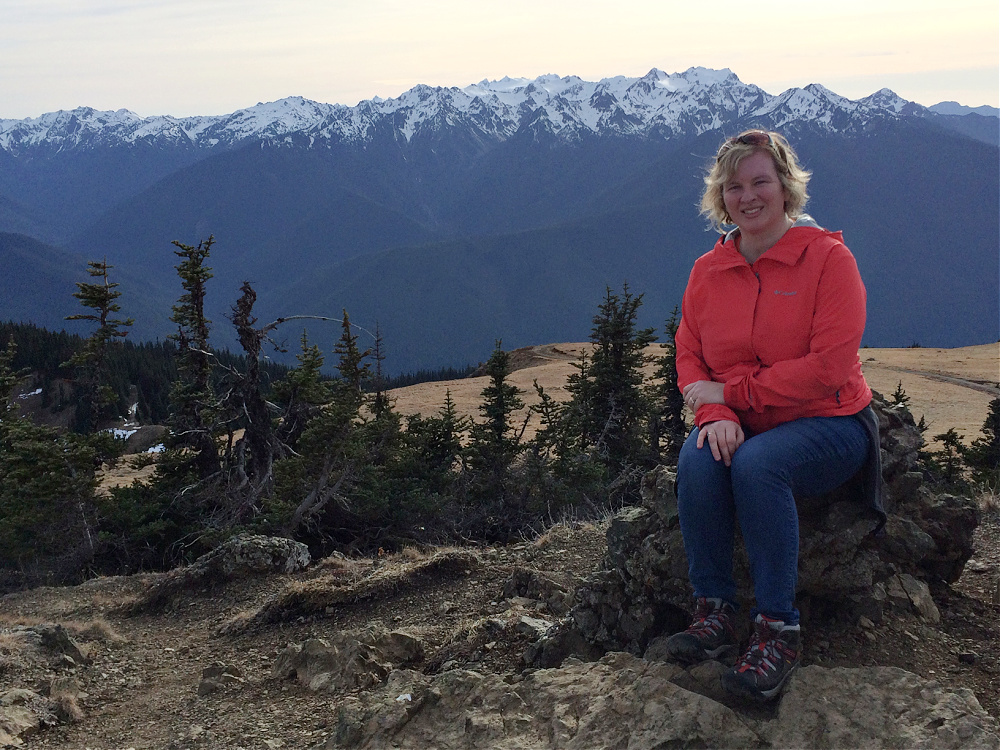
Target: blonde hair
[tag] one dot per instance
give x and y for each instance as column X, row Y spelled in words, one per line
column 733, row 151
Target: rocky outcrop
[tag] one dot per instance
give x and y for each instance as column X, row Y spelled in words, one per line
column 55, row 640
column 239, row 557
column 878, row 707
column 844, row 568
column 349, row 661
column 623, row 701
column 551, row 596
column 24, row 713
column 145, row 437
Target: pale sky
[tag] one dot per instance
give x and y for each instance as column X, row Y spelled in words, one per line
column 209, row 57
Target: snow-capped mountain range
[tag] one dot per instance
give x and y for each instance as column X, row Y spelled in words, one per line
column 656, row 105
column 504, row 209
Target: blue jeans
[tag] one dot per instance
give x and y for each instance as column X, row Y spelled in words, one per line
column 805, row 457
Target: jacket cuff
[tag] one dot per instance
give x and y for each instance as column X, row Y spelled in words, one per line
column 714, row 413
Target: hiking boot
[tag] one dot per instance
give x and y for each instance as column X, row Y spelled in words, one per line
column 773, row 655
column 711, row 634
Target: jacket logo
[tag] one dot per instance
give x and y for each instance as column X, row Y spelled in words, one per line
column 785, row 294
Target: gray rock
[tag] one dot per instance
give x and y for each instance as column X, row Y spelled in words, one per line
column 643, row 592
column 239, row 557
column 56, row 639
column 919, row 594
column 532, row 627
column 625, row 702
column 878, row 707
column 145, row 437
column 540, row 587
column 620, row 701
column 350, row 660
column 17, row 723
column 24, row 713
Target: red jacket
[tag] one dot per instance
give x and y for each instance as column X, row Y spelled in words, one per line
column 782, row 334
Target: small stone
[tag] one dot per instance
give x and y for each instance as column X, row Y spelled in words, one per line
column 870, row 636
column 865, row 623
column 977, row 566
column 532, row 627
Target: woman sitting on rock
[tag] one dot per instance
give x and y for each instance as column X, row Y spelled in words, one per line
column 767, row 360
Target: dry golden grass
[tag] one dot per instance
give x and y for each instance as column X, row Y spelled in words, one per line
column 11, row 643
column 948, row 387
column 989, row 501
column 97, row 629
column 385, row 576
column 63, row 691
column 127, row 470
column 557, row 534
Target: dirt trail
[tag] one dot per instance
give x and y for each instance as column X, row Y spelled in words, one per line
column 944, row 377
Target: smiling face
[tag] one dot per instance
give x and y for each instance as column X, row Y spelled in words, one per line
column 755, row 198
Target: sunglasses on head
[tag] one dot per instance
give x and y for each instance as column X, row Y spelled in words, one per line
column 751, row 138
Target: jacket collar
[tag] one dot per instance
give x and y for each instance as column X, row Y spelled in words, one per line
column 787, row 250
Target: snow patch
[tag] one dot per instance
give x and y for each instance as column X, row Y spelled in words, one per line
column 121, row 434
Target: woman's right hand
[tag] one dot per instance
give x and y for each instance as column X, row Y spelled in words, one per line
column 723, row 437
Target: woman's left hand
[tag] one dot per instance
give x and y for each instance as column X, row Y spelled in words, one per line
column 703, row 392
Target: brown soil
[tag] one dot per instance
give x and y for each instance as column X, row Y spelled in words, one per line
column 141, row 689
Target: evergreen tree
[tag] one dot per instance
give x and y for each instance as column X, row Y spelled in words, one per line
column 251, row 463
column 946, row 464
column 899, row 397
column 494, row 504
column 352, row 365
column 313, row 489
column 301, row 393
column 983, row 456
column 380, row 401
column 47, row 483
column 192, row 420
column 608, row 394
column 92, row 377
column 667, row 418
column 495, row 440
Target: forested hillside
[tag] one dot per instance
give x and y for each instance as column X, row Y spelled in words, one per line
column 452, row 217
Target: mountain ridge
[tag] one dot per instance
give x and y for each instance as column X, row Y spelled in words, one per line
column 656, row 104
